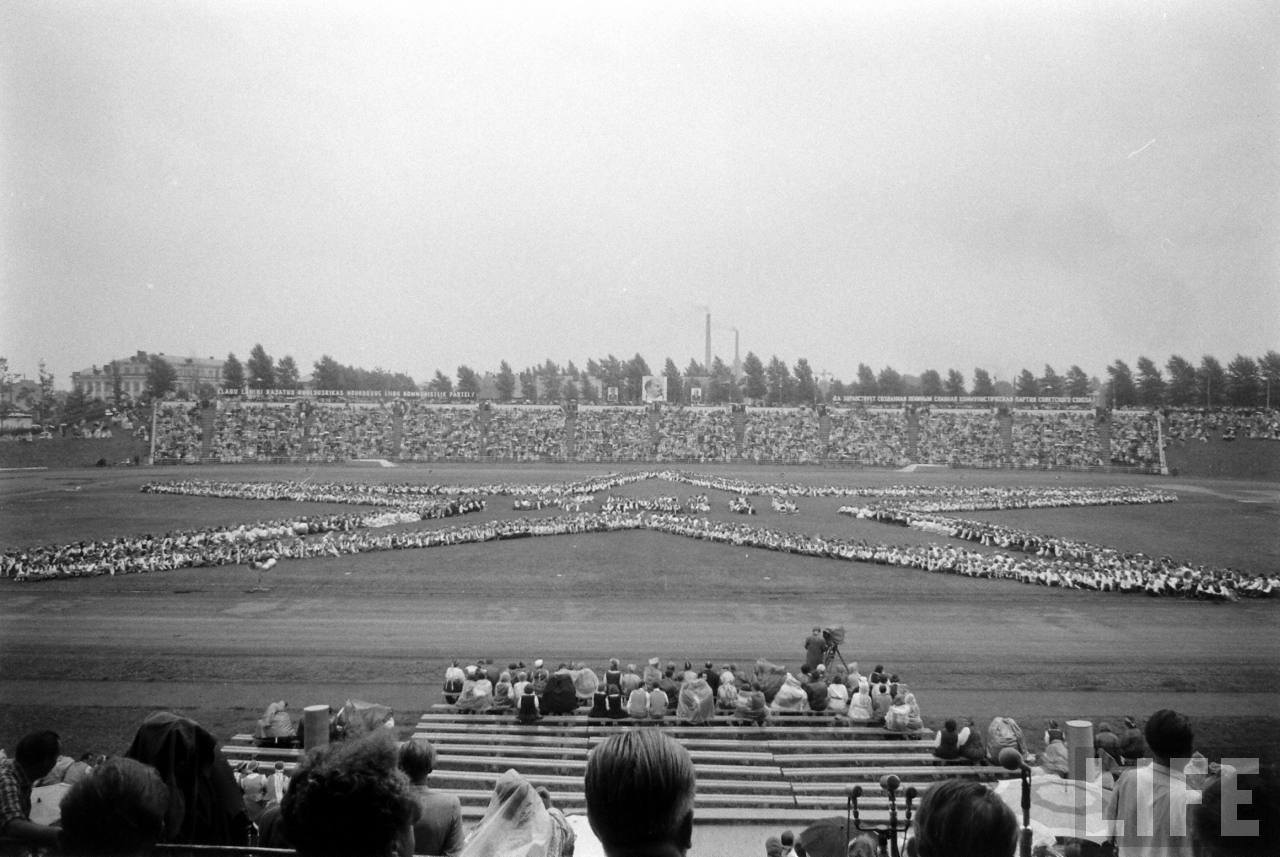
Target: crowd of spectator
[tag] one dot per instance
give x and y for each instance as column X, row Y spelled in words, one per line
column 868, row 436
column 960, row 438
column 1054, row 439
column 612, row 434
column 782, row 435
column 883, row 437
column 696, row 434
column 1204, row 424
column 440, row 433
column 526, row 433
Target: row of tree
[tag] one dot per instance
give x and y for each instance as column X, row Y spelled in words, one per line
column 1244, row 382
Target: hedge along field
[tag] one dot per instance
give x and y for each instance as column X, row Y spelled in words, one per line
column 88, row 655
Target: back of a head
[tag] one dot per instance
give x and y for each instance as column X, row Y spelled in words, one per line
column 119, row 809
column 960, row 818
column 1169, row 735
column 639, row 788
column 417, row 760
column 1227, row 824
column 37, row 752
column 349, row 799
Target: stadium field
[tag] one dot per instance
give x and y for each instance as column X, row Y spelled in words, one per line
column 90, row 657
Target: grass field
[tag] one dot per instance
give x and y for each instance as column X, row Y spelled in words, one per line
column 91, row 657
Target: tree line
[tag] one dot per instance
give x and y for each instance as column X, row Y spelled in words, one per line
column 1244, row 382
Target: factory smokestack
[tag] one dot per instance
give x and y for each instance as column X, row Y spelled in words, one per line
column 707, row 367
column 737, row 362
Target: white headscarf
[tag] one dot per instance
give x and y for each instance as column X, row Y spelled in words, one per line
column 516, row 824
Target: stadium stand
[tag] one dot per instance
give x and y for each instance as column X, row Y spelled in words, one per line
column 320, row 431
column 796, row 768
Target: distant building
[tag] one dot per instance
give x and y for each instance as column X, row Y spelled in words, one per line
column 99, row 382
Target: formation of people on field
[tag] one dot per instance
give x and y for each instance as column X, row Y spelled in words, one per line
column 1045, row 560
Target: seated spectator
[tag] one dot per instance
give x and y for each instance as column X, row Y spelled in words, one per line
column 585, row 683
column 563, row 838
column 515, row 824
column 530, row 710
column 1151, row 801
column 477, row 692
column 750, row 708
column 453, row 680
column 350, row 798
column 560, row 696
column 697, row 703
column 503, row 698
column 253, row 786
column 1107, row 741
column 438, row 830
column 816, row 690
column 790, row 697
column 34, row 756
column 948, row 741
column 1055, row 759
column 639, row 788
column 659, row 704
column 838, row 696
column 915, row 722
column 1004, row 732
column 599, row 703
column 638, row 704
column 276, row 725
column 205, row 806
column 119, row 810
column 615, row 706
column 727, row 692
column 860, row 706
column 959, row 818
column 1132, row 744
column 881, row 700
column 898, row 717
column 630, row 680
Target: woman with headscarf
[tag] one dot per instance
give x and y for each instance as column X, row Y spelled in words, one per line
column 585, row 683
column 915, row 722
column 790, row 697
column 837, row 696
column 751, row 709
column 205, row 805
column 515, row 824
column 860, row 707
column 477, row 692
column 696, row 704
column 503, row 693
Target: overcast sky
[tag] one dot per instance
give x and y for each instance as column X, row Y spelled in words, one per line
column 415, row 186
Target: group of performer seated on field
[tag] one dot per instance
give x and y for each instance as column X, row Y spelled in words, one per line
column 687, row 696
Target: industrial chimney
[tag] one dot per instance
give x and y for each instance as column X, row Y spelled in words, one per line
column 707, row 366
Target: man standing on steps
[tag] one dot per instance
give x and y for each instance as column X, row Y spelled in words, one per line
column 814, row 648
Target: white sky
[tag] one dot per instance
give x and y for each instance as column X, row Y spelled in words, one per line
column 417, row 186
